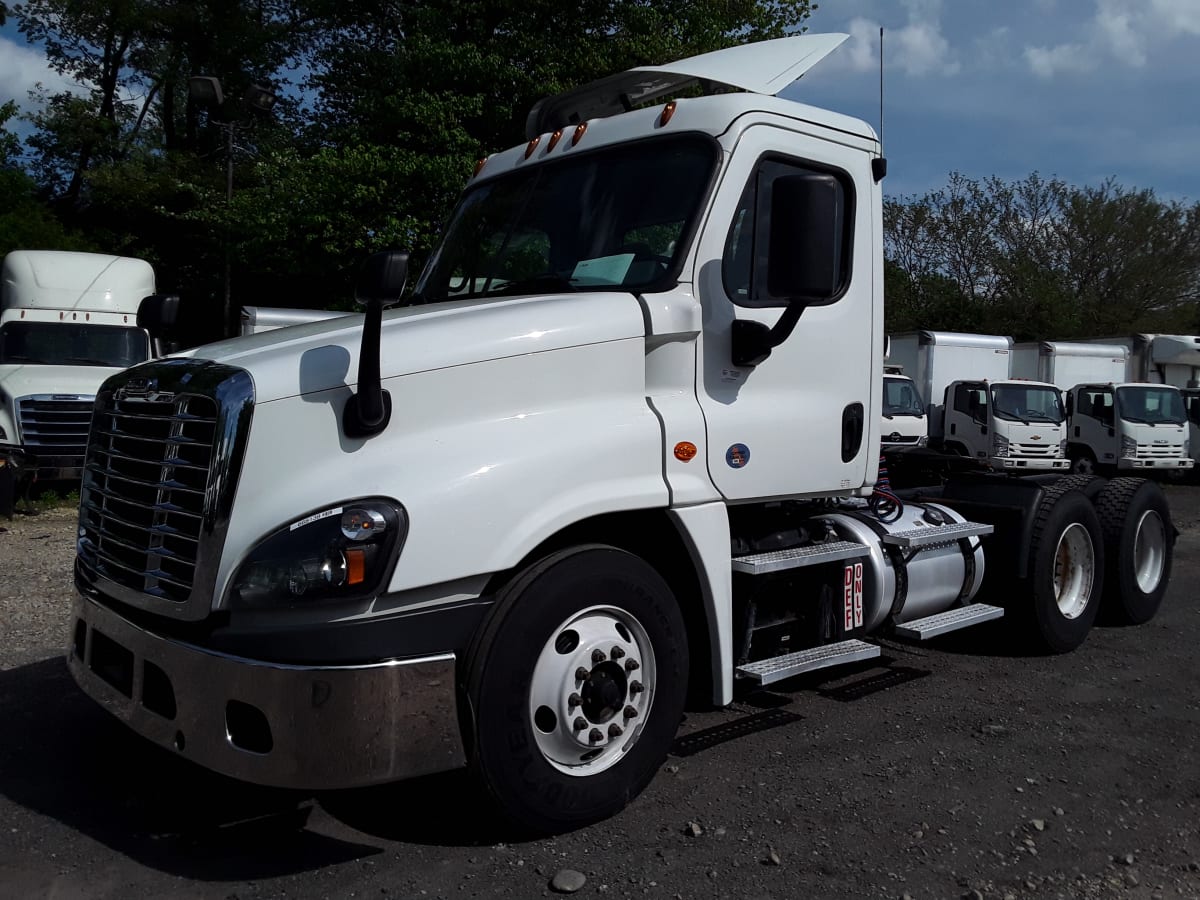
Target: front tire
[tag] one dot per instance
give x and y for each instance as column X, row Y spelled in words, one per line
column 577, row 684
column 1083, row 464
column 1139, row 541
column 1061, row 594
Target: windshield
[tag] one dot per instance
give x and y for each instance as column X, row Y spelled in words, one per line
column 1150, row 405
column 1022, row 403
column 617, row 217
column 72, row 344
column 900, row 398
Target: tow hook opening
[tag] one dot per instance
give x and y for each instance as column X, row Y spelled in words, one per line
column 247, row 728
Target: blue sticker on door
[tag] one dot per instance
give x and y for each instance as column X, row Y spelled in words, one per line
column 737, row 456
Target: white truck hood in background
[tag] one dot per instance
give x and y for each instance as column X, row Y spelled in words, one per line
column 303, row 359
column 23, row 379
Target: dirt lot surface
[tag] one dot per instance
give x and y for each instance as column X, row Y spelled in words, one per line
column 956, row 769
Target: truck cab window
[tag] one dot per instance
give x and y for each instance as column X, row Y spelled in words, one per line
column 744, row 263
column 618, row 217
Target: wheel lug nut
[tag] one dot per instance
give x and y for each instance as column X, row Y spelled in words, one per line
column 581, row 674
column 595, row 735
column 635, row 687
column 631, row 665
column 580, row 723
column 616, row 653
column 573, row 701
column 630, row 712
column 615, row 730
column 597, row 656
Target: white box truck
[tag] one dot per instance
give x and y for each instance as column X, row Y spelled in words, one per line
column 1113, row 423
column 67, row 322
column 975, row 409
column 257, row 319
column 622, row 447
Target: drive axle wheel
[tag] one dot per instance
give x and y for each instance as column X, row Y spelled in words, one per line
column 1056, row 604
column 576, row 682
column 1139, row 541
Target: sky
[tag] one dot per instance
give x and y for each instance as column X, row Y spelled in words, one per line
column 1084, row 90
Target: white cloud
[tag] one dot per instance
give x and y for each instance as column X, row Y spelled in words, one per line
column 1117, row 34
column 918, row 48
column 22, row 68
column 923, row 50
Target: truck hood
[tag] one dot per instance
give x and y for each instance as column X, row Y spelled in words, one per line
column 319, row 356
column 22, row 380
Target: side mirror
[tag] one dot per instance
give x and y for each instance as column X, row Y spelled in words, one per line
column 805, row 241
column 158, row 313
column 805, row 225
column 380, row 283
column 382, row 278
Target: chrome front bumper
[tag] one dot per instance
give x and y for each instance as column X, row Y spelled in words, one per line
column 281, row 725
column 1030, row 462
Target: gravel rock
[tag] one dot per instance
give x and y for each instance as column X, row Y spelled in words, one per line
column 567, row 881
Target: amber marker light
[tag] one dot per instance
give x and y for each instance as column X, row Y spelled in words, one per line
column 685, row 451
column 479, row 166
column 554, row 139
column 667, row 113
column 356, row 566
column 531, row 146
column 579, row 130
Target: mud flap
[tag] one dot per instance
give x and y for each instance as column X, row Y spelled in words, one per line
column 12, row 466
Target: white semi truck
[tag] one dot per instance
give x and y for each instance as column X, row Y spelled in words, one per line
column 67, row 322
column 976, row 410
column 622, row 446
column 1113, row 424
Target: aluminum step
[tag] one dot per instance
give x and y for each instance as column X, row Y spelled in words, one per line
column 950, row 620
column 936, row 534
column 796, row 557
column 767, row 671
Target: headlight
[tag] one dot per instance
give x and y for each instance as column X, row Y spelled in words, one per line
column 340, row 553
column 1128, row 447
column 999, row 445
column 1062, row 447
column 923, row 440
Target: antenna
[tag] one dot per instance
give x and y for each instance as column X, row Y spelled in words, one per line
column 879, row 166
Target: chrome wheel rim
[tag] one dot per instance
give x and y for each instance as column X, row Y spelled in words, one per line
column 1074, row 570
column 1149, row 551
column 592, row 689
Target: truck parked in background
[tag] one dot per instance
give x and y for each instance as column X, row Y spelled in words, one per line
column 975, row 409
column 67, row 322
column 257, row 319
column 904, row 421
column 622, row 446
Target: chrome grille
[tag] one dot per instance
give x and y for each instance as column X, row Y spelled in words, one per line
column 159, row 476
column 54, row 430
column 1159, row 451
column 1034, row 449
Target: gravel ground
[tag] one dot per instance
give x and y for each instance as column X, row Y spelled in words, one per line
column 956, row 769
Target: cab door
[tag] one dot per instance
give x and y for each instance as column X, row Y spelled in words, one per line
column 799, row 422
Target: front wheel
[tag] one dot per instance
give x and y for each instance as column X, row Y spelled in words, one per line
column 1083, row 464
column 1059, row 599
column 1139, row 540
column 577, row 684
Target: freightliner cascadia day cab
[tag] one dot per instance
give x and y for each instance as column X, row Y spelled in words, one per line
column 620, row 446
column 67, row 322
column 981, row 412
column 1112, row 423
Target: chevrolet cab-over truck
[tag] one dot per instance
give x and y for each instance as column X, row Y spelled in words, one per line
column 619, row 446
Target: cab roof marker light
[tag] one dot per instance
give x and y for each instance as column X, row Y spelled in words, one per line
column 579, row 132
column 667, row 113
column 554, row 139
column 479, row 166
column 531, row 146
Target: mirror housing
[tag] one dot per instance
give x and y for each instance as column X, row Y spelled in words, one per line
column 158, row 313
column 380, row 283
column 805, row 230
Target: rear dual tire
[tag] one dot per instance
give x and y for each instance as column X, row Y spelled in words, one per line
column 1140, row 545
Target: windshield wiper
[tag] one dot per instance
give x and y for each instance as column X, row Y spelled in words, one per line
column 1043, row 417
column 93, row 361
column 539, row 284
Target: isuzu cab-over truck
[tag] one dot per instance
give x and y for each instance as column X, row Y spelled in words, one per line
column 976, row 410
column 621, row 443
column 1112, row 423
